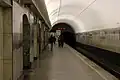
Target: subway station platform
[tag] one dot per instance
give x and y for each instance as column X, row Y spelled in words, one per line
column 66, row 64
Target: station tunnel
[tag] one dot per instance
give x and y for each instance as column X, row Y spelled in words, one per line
column 68, row 33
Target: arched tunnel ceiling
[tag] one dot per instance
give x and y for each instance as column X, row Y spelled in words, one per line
column 85, row 15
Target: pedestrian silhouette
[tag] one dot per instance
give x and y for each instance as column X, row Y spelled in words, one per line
column 61, row 41
column 51, row 41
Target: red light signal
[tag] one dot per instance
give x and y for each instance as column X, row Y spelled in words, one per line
column 61, row 29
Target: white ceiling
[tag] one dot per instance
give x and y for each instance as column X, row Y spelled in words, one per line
column 85, row 15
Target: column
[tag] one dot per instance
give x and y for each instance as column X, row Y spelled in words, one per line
column 1, row 44
column 35, row 42
column 42, row 36
column 31, row 43
column 7, row 44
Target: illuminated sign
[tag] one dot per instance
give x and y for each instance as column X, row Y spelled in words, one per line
column 61, row 29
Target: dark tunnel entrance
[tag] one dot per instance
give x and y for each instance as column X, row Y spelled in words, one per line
column 68, row 33
column 69, row 38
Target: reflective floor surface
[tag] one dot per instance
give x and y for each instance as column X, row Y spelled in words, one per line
column 61, row 64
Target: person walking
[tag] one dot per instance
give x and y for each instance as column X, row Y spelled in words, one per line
column 59, row 44
column 54, row 39
column 51, row 41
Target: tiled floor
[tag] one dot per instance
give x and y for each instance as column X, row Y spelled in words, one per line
column 62, row 64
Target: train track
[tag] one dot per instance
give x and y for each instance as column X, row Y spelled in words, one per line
column 105, row 59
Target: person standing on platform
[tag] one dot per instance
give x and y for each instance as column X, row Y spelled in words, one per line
column 51, row 41
column 59, row 41
column 62, row 41
column 54, row 39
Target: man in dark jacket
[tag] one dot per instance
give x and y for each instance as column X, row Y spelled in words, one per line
column 62, row 40
column 54, row 39
column 51, row 40
column 59, row 41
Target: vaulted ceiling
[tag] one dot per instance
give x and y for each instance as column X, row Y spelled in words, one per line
column 85, row 15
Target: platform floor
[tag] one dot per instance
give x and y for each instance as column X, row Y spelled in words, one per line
column 66, row 64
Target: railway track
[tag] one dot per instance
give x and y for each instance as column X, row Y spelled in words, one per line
column 110, row 61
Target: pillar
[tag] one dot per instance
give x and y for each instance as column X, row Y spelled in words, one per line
column 35, row 42
column 1, row 43
column 42, row 36
column 6, row 62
